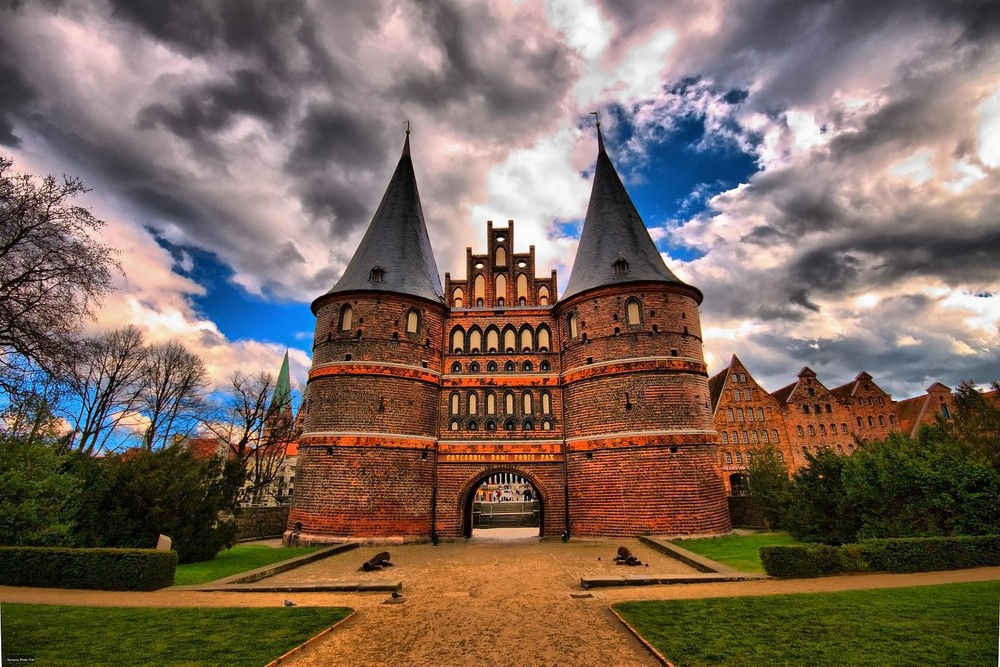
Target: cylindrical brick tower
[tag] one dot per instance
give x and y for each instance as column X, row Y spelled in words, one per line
column 641, row 450
column 367, row 452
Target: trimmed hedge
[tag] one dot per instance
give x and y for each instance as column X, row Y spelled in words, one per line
column 101, row 569
column 917, row 554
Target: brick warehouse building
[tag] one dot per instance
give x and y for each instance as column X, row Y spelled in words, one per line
column 418, row 394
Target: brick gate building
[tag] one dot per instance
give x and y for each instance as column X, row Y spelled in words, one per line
column 418, row 394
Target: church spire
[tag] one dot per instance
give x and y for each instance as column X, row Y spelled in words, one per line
column 615, row 246
column 395, row 254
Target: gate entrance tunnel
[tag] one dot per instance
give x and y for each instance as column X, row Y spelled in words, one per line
column 503, row 502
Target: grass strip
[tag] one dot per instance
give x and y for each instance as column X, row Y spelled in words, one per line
column 741, row 552
column 241, row 558
column 953, row 624
column 113, row 636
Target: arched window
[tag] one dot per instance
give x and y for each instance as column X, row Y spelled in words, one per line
column 480, row 287
column 492, row 339
column 828, row 408
column 346, row 317
column 456, row 367
column 508, row 425
column 522, row 287
column 573, row 332
column 760, row 414
column 501, row 256
column 509, row 339
column 736, row 394
column 526, row 403
column 811, row 429
column 545, row 365
column 546, row 424
column 725, row 437
column 508, row 403
column 746, row 394
column 544, row 339
column 730, row 414
column 632, row 312
column 729, row 458
column 491, row 425
column 509, row 367
column 412, row 321
column 458, row 297
column 527, row 367
column 763, row 436
column 543, row 296
column 739, row 415
column 743, row 376
column 473, row 425
column 474, row 367
column 491, row 403
column 799, row 431
column 739, row 457
column 526, row 339
column 871, row 422
column 501, row 290
column 774, row 438
column 455, row 402
column 546, row 403
column 453, row 426
column 457, row 340
column 491, row 367
column 528, row 425
column 475, row 340
column 822, row 429
column 473, row 403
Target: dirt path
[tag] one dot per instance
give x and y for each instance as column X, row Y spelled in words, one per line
column 487, row 603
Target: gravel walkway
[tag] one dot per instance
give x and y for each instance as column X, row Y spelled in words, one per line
column 485, row 603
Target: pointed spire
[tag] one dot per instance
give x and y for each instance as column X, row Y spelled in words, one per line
column 395, row 254
column 282, row 386
column 615, row 246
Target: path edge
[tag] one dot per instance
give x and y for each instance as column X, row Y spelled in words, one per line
column 642, row 640
column 312, row 640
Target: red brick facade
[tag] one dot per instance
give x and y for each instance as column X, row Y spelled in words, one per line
column 805, row 416
column 601, row 402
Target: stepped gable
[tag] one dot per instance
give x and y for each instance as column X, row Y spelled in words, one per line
column 717, row 383
column 615, row 246
column 395, row 254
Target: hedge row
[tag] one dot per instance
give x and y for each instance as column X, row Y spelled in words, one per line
column 918, row 554
column 101, row 569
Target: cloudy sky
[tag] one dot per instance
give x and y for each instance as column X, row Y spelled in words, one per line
column 825, row 172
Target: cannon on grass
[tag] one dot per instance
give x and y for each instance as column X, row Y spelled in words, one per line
column 376, row 562
column 626, row 557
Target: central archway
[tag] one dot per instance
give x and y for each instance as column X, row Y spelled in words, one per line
column 502, row 498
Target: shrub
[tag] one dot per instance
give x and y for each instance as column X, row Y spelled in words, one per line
column 37, row 499
column 923, row 554
column 128, row 500
column 817, row 509
column 801, row 561
column 101, row 569
column 932, row 553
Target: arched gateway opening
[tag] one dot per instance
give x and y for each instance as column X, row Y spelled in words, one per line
column 502, row 499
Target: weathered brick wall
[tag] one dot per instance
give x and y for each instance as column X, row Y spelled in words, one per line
column 355, row 492
column 646, row 490
column 372, row 404
column 457, row 481
column 260, row 522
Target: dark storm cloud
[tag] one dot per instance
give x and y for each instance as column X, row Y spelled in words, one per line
column 487, row 67
column 16, row 95
column 825, row 271
column 764, row 235
column 192, row 26
column 204, row 110
column 338, row 135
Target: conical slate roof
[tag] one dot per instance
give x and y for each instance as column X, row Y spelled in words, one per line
column 395, row 254
column 615, row 246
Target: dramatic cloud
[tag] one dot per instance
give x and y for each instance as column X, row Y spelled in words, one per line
column 263, row 133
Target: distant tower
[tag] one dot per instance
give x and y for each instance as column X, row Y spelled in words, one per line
column 366, row 464
column 641, row 450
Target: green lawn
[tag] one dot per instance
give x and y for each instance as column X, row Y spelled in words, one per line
column 954, row 624
column 105, row 636
column 241, row 558
column 741, row 552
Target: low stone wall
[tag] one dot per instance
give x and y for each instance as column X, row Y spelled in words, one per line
column 744, row 513
column 254, row 523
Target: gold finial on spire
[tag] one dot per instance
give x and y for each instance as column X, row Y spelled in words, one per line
column 597, row 116
column 407, row 126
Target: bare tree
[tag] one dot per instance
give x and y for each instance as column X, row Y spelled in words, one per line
column 174, row 392
column 52, row 270
column 107, row 380
column 258, row 425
